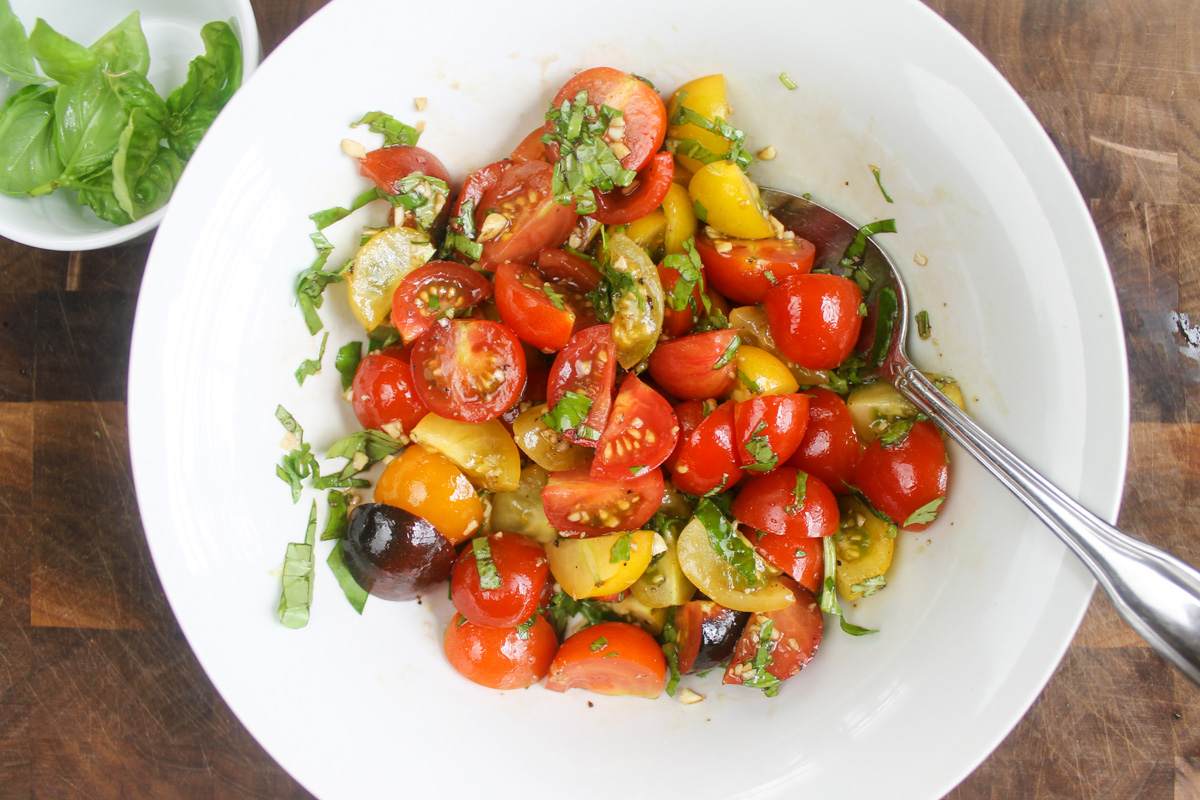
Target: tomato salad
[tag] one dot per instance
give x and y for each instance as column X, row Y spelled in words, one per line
column 619, row 411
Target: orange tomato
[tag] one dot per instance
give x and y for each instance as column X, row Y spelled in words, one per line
column 429, row 485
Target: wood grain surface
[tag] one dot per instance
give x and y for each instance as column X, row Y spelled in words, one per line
column 100, row 696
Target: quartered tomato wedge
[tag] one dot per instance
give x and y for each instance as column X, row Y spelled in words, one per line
column 776, row 645
column 906, row 477
column 706, row 459
column 517, row 217
column 389, row 165
column 698, row 366
column 744, row 269
column 438, row 289
column 803, row 559
column 814, row 318
column 383, row 392
column 787, row 501
column 646, row 193
column 577, row 505
column 642, row 112
column 587, row 366
column 769, row 429
column 610, row 658
column 829, row 448
column 533, row 307
column 471, row 370
column 640, row 434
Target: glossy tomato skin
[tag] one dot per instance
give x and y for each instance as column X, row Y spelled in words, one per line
column 740, row 272
column 680, row 323
column 642, row 109
column 796, row 631
column 586, row 366
column 641, row 432
column 384, row 391
column 697, row 366
column 527, row 304
column 389, row 165
column 523, row 195
column 646, row 193
column 437, row 289
column 531, row 147
column 579, row 506
column 568, row 269
column 901, row 478
column 523, row 570
column 706, row 459
column 500, row 658
column 706, row 633
column 768, row 503
column 802, row 559
column 471, row 370
column 829, row 449
column 779, row 420
column 611, row 658
column 814, row 318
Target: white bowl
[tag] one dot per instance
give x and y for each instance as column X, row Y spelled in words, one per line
column 56, row 221
column 979, row 609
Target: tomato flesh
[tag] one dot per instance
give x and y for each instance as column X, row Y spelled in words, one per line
column 697, row 366
column 534, row 308
column 471, row 370
column 384, row 392
column 783, row 503
column 815, row 318
column 500, row 658
column 901, row 478
column 796, row 635
column 389, row 165
column 438, row 289
column 613, row 658
column 745, row 269
column 522, row 570
column 579, row 506
column 706, row 459
column 587, row 366
column 829, row 449
column 646, row 193
column 522, row 198
column 640, row 434
column 801, row 558
column 642, row 110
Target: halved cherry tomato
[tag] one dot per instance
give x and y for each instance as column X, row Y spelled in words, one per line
column 469, row 369
column 803, row 559
column 908, row 476
column 698, row 366
column 769, row 429
column 578, row 505
column 646, row 193
column 610, row 658
column 521, row 569
column 533, row 307
column 706, row 458
column 796, row 635
column 740, row 267
column 586, row 366
column 522, row 200
column 476, row 185
column 640, row 434
column 705, row 634
column 829, row 449
column 569, row 269
column 500, row 658
column 787, row 502
column 383, row 392
column 814, row 318
column 438, row 289
column 389, row 165
column 679, row 323
column 432, row 487
column 642, row 112
column 531, row 147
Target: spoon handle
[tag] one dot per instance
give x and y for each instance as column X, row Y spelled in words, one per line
column 1156, row 593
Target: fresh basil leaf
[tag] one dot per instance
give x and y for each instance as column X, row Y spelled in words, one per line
column 89, row 120
column 16, row 56
column 137, row 149
column 759, row 448
column 346, row 362
column 363, row 449
column 925, row 514
column 28, row 155
column 489, row 576
column 312, row 366
column 356, row 594
column 394, row 131
column 855, row 630
column 896, row 433
column 339, row 516
column 725, row 542
column 124, row 48
column 297, row 579
column 620, row 550
column 879, row 183
column 96, row 192
column 211, row 80
column 61, row 58
column 568, row 413
column 870, row 586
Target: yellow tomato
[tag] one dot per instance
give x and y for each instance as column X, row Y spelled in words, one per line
column 599, row 566
column 705, row 96
column 864, row 549
column 483, row 450
column 649, row 231
column 378, row 268
column 521, row 510
column 638, row 317
column 760, row 373
column 663, row 584
column 730, row 200
column 718, row 579
column 680, row 218
column 428, row 484
column 875, row 406
column 547, row 448
column 751, row 322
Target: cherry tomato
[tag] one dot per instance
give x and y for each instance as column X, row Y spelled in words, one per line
column 383, row 392
column 522, row 203
column 796, row 633
column 900, row 479
column 471, row 370
column 531, row 147
column 706, row 459
column 586, row 366
column 705, row 634
column 500, row 658
column 814, row 318
column 432, row 487
column 787, row 502
column 389, row 165
column 610, row 658
column 769, row 428
column 829, row 449
column 698, row 366
column 440, row 288
column 521, row 569
column 640, row 434
column 646, row 193
column 803, row 559
column 568, row 269
column 740, row 272
column 533, row 307
column 679, row 323
column 580, row 506
column 642, row 111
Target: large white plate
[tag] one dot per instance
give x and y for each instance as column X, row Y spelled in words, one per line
column 980, row 608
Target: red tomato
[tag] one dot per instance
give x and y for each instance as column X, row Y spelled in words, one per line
column 500, row 658
column 643, row 112
column 814, row 318
column 522, row 570
column 537, row 370
column 468, row 369
column 388, row 165
column 524, row 197
column 769, row 429
column 769, row 503
column 433, row 290
column 698, row 366
column 383, row 392
column 569, row 269
column 705, row 459
column 829, row 449
column 533, row 307
column 705, row 634
column 586, row 366
column 679, row 323
column 640, row 434
column 531, row 147
column 901, row 478
column 646, row 193
column 796, row 633
column 610, row 658
column 740, row 273
column 802, row 559
column 580, row 506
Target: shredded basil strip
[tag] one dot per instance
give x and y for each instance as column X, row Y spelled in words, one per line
column 620, row 550
column 296, row 595
column 736, row 138
column 323, row 219
column 691, row 275
column 925, row 514
column 339, row 511
column 568, row 413
column 798, row 494
column 853, row 255
column 394, row 131
column 763, row 657
column 923, row 326
column 489, row 577
column 299, row 463
column 346, row 362
column 869, row 586
column 726, row 543
column 356, row 594
column 730, row 353
column 371, row 444
column 598, row 645
column 879, row 183
column 670, row 636
column 586, row 161
column 310, row 285
column 759, row 448
column 885, row 322
column 828, row 600
column 312, row 366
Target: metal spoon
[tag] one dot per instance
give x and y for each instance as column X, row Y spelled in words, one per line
column 1156, row 593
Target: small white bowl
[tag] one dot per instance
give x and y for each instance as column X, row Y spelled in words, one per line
column 56, row 221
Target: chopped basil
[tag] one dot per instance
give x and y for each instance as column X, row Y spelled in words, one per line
column 828, row 600
column 760, row 677
column 434, row 303
column 381, row 337
column 587, row 432
column 419, row 195
column 523, row 628
column 770, row 276
column 598, row 645
column 346, row 362
column 747, row 382
column 563, row 608
column 339, row 509
column 855, row 630
column 620, row 551
column 759, row 448
column 645, row 81
column 296, row 596
column 324, row 219
column 299, row 463
column 586, row 160
column 923, row 326
column 338, row 481
column 800, row 553
column 671, row 650
column 926, row 513
column 394, row 131
column 371, row 444
column 460, row 233
column 716, row 490
column 701, row 211
column 736, row 138
column 606, row 295
column 555, row 298
column 862, row 309
column 356, row 594
column 787, row 81
column 635, row 470
column 730, row 353
column 879, row 183
column 853, row 255
column 798, row 493
column 885, row 322
column 310, row 286
column 489, row 577
column 896, row 433
column 568, row 413
column 870, row 586
column 725, row 542
column 312, row 366
column 691, row 275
